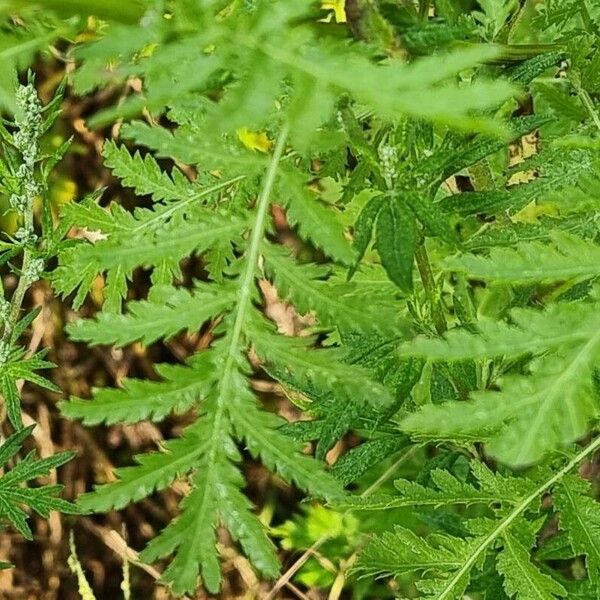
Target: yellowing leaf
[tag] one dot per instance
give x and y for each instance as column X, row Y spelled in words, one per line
column 337, row 6
column 254, row 140
column 531, row 212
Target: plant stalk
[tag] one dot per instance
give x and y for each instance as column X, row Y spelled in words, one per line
column 18, row 296
column 431, row 290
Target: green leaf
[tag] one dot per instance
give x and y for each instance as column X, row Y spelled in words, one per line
column 192, row 536
column 530, row 416
column 154, row 471
column 259, row 430
column 169, row 311
column 431, row 217
column 522, row 579
column 134, row 243
column 236, row 512
column 322, row 368
column 182, row 387
column 579, row 516
column 396, row 242
column 146, row 177
column 458, row 153
column 311, row 289
column 447, row 490
column 14, row 496
column 363, row 228
column 530, row 332
column 402, row 551
column 559, row 172
column 567, row 258
column 357, row 461
column 315, row 220
column 527, row 71
column 10, row 393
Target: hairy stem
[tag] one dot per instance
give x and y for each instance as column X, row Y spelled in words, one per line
column 19, row 294
column 431, row 291
column 17, row 300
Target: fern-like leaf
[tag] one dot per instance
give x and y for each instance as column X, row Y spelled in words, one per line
column 13, row 496
column 569, row 257
column 579, row 517
column 523, row 579
column 167, row 312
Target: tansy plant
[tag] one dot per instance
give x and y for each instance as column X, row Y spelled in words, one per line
column 437, row 165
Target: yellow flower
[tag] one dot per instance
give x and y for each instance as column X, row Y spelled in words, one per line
column 337, row 6
column 254, row 140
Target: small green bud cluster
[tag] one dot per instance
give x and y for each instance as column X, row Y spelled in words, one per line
column 4, row 310
column 29, row 123
column 29, row 190
column 26, row 235
column 29, row 128
column 4, row 352
column 389, row 159
column 26, row 138
column 33, row 270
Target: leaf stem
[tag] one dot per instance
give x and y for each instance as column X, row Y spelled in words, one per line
column 512, row 515
column 254, row 247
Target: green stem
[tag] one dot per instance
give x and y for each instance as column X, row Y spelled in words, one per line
column 254, row 247
column 447, row 592
column 585, row 98
column 215, row 444
column 431, row 291
column 16, row 301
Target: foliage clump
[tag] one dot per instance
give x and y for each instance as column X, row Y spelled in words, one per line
column 435, row 165
column 24, row 168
